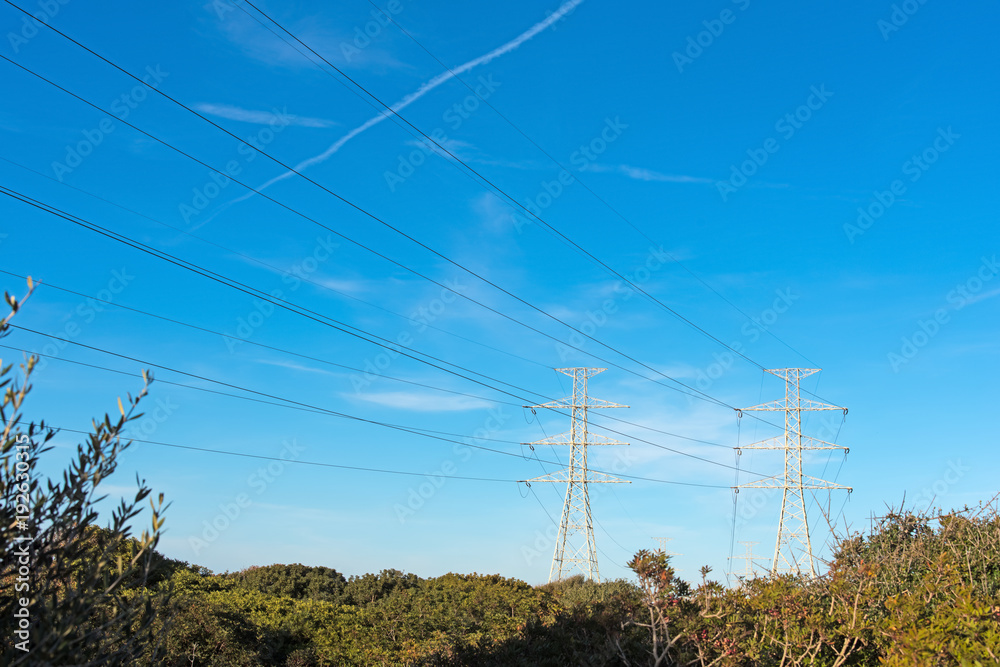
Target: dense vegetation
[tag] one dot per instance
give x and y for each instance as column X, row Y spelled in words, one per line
column 918, row 589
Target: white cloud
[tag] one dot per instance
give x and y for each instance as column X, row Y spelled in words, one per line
column 260, row 117
column 427, row 87
column 450, row 145
column 421, row 402
column 295, row 367
column 643, row 174
column 349, row 287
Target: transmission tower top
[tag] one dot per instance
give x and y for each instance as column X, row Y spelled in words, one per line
column 579, row 399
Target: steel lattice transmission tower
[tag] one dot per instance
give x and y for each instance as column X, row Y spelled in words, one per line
column 793, row 546
column 749, row 559
column 663, row 545
column 576, row 516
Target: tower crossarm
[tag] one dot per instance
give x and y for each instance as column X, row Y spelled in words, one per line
column 808, row 482
column 562, row 476
column 589, row 403
column 778, row 442
column 817, row 405
column 567, row 439
column 772, row 482
column 783, row 405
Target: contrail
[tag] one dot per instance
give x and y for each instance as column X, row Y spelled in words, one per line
column 564, row 9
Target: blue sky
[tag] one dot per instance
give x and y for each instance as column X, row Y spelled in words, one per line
column 811, row 186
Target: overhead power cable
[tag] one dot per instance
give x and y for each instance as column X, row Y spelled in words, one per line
column 113, row 304
column 397, row 230
column 276, row 269
column 278, row 402
column 395, row 472
column 504, row 195
column 305, row 312
column 306, row 406
column 586, row 187
column 513, row 203
column 290, row 403
column 697, row 393
column 261, row 345
column 241, row 287
column 295, row 461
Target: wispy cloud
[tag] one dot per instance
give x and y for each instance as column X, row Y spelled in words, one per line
column 295, row 367
column 261, row 117
column 496, row 215
column 642, row 174
column 421, row 402
column 343, row 285
column 427, row 87
column 453, row 146
column 260, row 43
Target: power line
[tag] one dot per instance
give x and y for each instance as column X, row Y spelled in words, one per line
column 313, row 315
column 559, row 164
column 516, row 203
column 357, row 207
column 260, row 345
column 307, row 406
column 700, row 395
column 241, row 287
column 260, row 262
column 331, row 363
column 292, row 404
column 504, row 194
column 281, row 304
column 400, row 232
column 287, row 306
column 287, row 402
column 296, row 461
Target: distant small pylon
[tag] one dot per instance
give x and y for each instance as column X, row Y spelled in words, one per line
column 749, row 558
column 663, row 545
